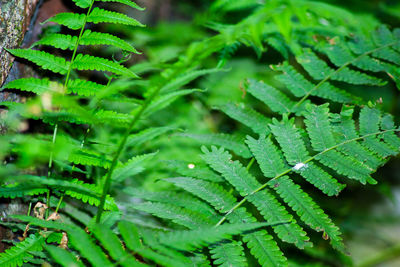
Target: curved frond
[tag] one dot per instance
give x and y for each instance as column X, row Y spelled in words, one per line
column 57, row 40
column 99, row 38
column 72, row 21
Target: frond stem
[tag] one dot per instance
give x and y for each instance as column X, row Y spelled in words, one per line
column 289, row 170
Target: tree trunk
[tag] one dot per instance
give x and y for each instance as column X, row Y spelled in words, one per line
column 15, row 16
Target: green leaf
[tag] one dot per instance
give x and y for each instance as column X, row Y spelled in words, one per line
column 34, row 85
column 248, row 187
column 63, row 257
column 126, row 2
column 20, row 253
column 82, row 3
column 57, row 40
column 43, row 59
column 248, row 116
column 99, row 38
column 230, row 142
column 227, row 254
column 192, row 239
column 99, row 15
column 84, row 88
column 72, row 21
column 88, row 62
column 20, row 190
column 147, row 135
column 130, row 235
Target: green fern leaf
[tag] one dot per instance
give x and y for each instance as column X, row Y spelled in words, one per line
column 167, row 99
column 34, row 85
column 273, row 98
column 99, row 15
column 210, row 192
column 391, row 138
column 63, row 257
column 260, row 243
column 88, row 62
column 72, row 21
column 299, row 86
column 200, row 237
column 230, row 142
column 43, row 59
column 248, row 116
column 181, row 216
column 61, row 41
column 319, row 70
column 308, row 210
column 345, row 130
column 20, row 190
column 82, row 3
column 20, row 253
column 295, row 152
column 130, row 234
column 227, row 254
column 126, row 2
column 84, row 88
column 186, row 78
column 99, row 38
column 248, row 187
column 146, row 135
column 112, row 244
column 320, row 132
column 369, row 123
column 194, row 170
column 89, row 158
column 180, row 199
column 131, row 167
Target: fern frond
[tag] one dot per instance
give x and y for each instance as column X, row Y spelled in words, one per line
column 57, row 40
column 20, row 253
column 180, row 199
column 99, row 15
column 248, row 116
column 43, row 59
column 369, row 123
column 167, row 99
column 99, row 38
column 181, row 216
column 131, row 167
column 300, row 86
column 20, row 190
column 295, row 152
column 125, row 2
column 210, row 192
column 63, row 257
column 391, row 138
column 84, row 88
column 265, row 202
column 230, row 142
column 75, row 188
column 88, row 62
column 72, row 21
column 82, row 3
column 112, row 244
column 273, row 98
column 227, row 254
column 194, row 170
column 34, row 85
column 186, row 78
column 89, row 158
column 191, row 239
column 146, row 135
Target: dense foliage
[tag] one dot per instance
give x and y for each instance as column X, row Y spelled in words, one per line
column 225, row 144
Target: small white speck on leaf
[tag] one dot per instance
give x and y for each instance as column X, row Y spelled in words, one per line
column 191, row 166
column 299, row 166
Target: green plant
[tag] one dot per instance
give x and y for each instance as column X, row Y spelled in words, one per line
column 311, row 121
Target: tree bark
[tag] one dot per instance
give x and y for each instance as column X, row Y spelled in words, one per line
column 15, row 16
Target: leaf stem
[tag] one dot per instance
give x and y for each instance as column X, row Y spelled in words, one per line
column 289, row 170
